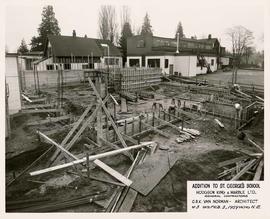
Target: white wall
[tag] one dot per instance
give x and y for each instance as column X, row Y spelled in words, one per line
column 12, row 80
column 212, row 67
column 165, row 71
column 42, row 66
column 225, row 60
column 186, row 65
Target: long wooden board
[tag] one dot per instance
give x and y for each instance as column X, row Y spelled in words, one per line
column 50, row 120
column 258, row 173
column 113, row 172
column 231, row 161
column 149, row 173
column 41, row 111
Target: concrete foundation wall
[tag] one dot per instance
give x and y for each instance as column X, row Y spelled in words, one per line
column 49, row 78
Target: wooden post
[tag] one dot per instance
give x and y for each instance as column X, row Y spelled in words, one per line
column 87, row 165
column 164, row 115
column 153, row 119
column 182, row 123
column 133, row 120
column 140, row 124
column 125, row 127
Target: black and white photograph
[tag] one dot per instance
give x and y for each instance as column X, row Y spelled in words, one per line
column 118, row 106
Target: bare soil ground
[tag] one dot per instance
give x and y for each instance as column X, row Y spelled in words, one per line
column 243, row 76
column 197, row 160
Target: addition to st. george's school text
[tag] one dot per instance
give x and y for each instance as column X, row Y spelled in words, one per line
column 224, row 195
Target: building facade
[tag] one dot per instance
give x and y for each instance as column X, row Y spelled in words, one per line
column 187, row 58
column 78, row 53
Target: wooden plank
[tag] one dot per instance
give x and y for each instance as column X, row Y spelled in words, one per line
column 27, row 98
column 34, row 106
column 256, row 145
column 58, row 130
column 157, row 130
column 57, row 145
column 219, row 123
column 112, row 145
column 258, row 173
column 41, row 111
column 91, row 158
column 50, row 120
column 130, row 139
column 231, row 161
column 73, row 130
column 128, row 201
column 80, row 131
column 244, row 170
column 109, row 116
column 113, row 172
column 39, row 100
column 168, row 123
column 149, row 173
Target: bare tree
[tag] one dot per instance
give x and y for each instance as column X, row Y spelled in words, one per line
column 107, row 23
column 125, row 15
column 240, row 38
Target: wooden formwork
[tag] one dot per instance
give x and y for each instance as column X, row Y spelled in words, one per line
column 132, row 79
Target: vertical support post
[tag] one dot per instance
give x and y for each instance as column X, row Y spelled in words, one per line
column 153, row 119
column 125, row 130
column 140, row 124
column 182, row 121
column 164, row 115
column 87, row 165
column 133, row 120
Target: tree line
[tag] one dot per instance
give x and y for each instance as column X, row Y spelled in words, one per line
column 109, row 29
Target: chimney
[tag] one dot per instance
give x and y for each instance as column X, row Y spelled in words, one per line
column 209, row 36
column 74, row 33
column 177, row 48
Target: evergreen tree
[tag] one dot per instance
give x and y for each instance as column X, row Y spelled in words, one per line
column 179, row 30
column 146, row 27
column 23, row 47
column 49, row 25
column 125, row 33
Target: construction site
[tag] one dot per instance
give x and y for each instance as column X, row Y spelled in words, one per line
column 128, row 140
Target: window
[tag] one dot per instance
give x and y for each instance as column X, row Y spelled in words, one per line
column 140, row 44
column 67, row 66
column 153, row 63
column 212, row 61
column 134, row 62
column 166, row 64
column 85, row 66
column 111, row 61
column 50, row 67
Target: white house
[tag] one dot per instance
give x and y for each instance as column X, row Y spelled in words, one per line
column 193, row 56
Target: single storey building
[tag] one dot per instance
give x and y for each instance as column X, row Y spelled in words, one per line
column 188, row 57
column 78, row 53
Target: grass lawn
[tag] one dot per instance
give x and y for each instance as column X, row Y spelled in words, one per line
column 243, row 76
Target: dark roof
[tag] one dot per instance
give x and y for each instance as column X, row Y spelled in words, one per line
column 207, row 40
column 114, row 51
column 79, row 46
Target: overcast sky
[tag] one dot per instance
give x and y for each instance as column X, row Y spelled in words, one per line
column 198, row 18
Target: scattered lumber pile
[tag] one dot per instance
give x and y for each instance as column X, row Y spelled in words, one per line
column 187, row 134
column 248, row 166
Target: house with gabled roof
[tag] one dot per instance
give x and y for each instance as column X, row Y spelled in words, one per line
column 78, row 53
column 187, row 57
